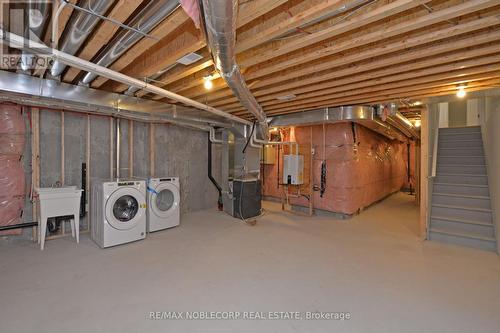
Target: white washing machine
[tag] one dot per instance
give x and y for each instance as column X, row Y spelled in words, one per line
column 163, row 203
column 118, row 212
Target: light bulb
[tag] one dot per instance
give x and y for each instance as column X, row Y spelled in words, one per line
column 208, row 84
column 461, row 92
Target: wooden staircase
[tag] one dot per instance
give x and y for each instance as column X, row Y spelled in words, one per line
column 461, row 210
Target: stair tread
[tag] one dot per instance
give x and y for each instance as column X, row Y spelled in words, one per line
column 468, row 140
column 462, row 207
column 462, row 174
column 462, row 195
column 460, row 156
column 462, row 234
column 465, row 165
column 461, row 185
column 454, row 219
column 459, row 148
column 461, row 133
column 458, row 141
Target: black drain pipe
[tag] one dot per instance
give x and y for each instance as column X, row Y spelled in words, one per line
column 18, row 226
column 219, row 189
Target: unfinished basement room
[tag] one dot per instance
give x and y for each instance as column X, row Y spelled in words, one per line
column 250, row 166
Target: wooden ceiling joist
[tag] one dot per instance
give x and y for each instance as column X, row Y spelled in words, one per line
column 185, row 39
column 313, row 73
column 382, row 33
column 181, row 72
column 120, row 12
column 325, row 52
column 249, row 12
column 453, row 76
column 345, row 78
column 177, row 19
column 388, row 96
column 260, row 36
column 280, row 48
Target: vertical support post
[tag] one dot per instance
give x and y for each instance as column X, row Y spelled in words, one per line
column 417, row 172
column 424, row 171
column 62, row 176
column 111, row 147
column 87, row 158
column 35, row 164
column 311, row 173
column 130, row 148
column 118, row 147
column 152, row 150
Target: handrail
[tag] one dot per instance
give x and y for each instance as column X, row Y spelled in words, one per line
column 435, row 146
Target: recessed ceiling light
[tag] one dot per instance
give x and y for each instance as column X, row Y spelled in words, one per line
column 286, row 97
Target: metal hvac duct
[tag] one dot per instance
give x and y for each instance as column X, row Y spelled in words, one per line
column 219, row 17
column 364, row 115
column 147, row 19
column 81, row 25
column 38, row 12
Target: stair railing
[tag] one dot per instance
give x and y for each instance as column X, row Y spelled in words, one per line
column 435, row 145
column 434, row 131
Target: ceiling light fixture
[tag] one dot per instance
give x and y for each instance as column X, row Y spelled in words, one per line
column 208, row 84
column 461, row 92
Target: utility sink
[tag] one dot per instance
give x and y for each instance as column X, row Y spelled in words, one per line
column 58, row 192
column 58, row 201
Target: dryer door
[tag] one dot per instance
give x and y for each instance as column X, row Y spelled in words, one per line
column 164, row 199
column 125, row 208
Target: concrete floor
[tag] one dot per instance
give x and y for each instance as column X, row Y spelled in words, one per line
column 372, row 266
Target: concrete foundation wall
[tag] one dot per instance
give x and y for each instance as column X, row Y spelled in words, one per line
column 490, row 123
column 179, row 152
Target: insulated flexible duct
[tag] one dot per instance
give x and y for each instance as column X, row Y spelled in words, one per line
column 81, row 27
column 219, row 17
column 147, row 19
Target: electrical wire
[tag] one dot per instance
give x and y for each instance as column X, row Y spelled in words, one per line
column 249, row 138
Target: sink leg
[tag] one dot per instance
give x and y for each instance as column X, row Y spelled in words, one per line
column 43, row 230
column 77, row 227
column 72, row 223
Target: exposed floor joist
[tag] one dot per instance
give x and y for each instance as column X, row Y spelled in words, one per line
column 339, row 51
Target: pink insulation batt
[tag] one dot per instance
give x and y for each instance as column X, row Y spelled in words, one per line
column 11, row 169
column 357, row 175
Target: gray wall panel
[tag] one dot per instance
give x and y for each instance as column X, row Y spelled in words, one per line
column 99, row 147
column 50, row 147
column 141, row 149
column 75, row 143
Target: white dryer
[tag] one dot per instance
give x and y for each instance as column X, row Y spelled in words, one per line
column 118, row 212
column 163, row 203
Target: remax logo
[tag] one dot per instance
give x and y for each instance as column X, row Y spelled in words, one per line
column 32, row 21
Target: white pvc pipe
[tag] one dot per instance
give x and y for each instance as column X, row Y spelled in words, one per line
column 257, row 143
column 21, row 43
column 117, row 145
column 212, row 136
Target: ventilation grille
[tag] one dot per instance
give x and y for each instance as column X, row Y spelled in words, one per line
column 286, row 97
column 189, row 58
